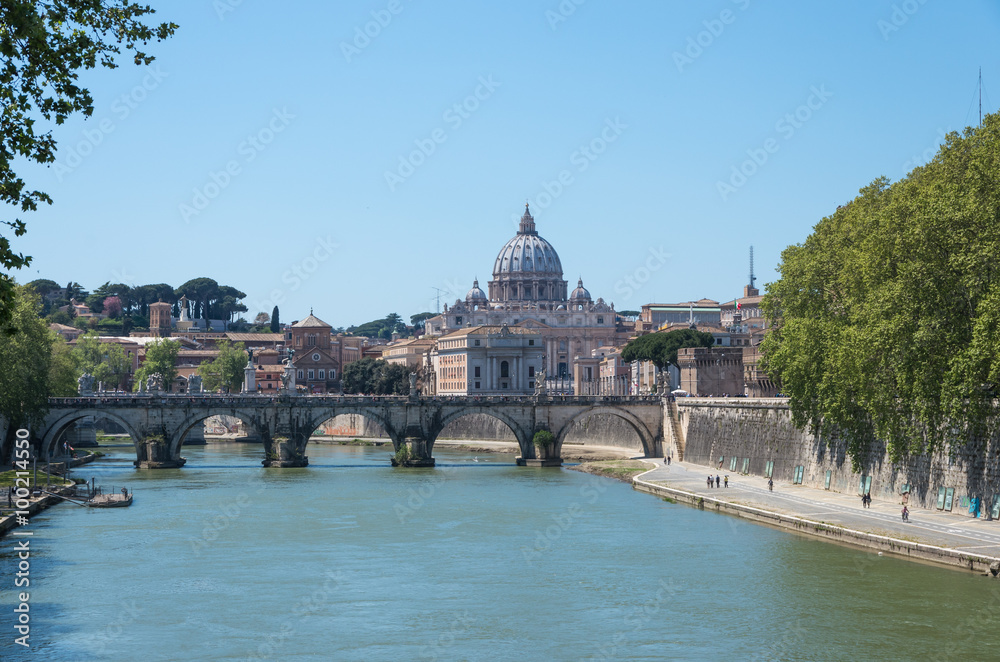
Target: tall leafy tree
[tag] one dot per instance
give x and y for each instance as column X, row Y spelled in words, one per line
column 885, row 320
column 44, row 286
column 228, row 302
column 45, row 47
column 375, row 377
column 199, row 290
column 106, row 361
column 144, row 295
column 225, row 372
column 661, row 348
column 161, row 357
column 112, row 307
column 62, row 370
column 417, row 321
column 25, row 362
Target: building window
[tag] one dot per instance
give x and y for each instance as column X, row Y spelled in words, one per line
column 298, row 374
column 458, row 321
column 288, row 336
column 312, row 374
column 531, row 341
column 562, row 345
column 316, row 356
column 322, row 374
column 477, row 384
column 476, row 374
column 311, row 340
column 531, row 371
column 504, row 369
column 333, row 373
column 718, row 341
column 531, row 384
column 600, row 320
column 477, row 343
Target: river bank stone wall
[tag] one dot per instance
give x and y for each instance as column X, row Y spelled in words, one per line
column 761, row 431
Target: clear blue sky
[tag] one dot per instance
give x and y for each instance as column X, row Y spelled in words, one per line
column 341, row 120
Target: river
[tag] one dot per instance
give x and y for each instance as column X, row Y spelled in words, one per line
column 350, row 559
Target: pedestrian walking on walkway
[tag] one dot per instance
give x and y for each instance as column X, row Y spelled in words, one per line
column 710, row 481
column 770, row 485
column 725, row 481
column 669, row 457
column 906, row 514
column 717, row 480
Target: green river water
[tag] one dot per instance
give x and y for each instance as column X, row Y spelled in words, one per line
column 350, row 559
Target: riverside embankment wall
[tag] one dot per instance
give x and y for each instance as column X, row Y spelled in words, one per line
column 761, row 431
column 601, row 430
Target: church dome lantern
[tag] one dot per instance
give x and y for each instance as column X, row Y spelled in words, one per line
column 580, row 294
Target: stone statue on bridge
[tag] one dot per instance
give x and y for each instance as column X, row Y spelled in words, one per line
column 154, row 383
column 413, row 383
column 288, row 377
column 85, row 384
column 194, row 384
column 540, row 382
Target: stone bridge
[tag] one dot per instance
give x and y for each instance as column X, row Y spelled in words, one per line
column 159, row 423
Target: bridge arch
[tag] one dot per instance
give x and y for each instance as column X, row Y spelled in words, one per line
column 648, row 438
column 522, row 434
column 201, row 414
column 375, row 414
column 61, row 424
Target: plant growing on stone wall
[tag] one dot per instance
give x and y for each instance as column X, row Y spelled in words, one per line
column 403, row 454
column 543, row 439
column 272, row 452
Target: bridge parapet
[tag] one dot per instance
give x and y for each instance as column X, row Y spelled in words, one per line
column 177, row 399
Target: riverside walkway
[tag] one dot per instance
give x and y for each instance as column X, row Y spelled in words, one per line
column 952, row 531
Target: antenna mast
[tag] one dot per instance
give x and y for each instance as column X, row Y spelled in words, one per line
column 438, row 298
column 753, row 278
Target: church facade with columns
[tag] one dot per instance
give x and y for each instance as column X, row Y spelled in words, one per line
column 528, row 291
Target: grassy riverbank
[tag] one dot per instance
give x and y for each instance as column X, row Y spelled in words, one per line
column 623, row 470
column 7, row 479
